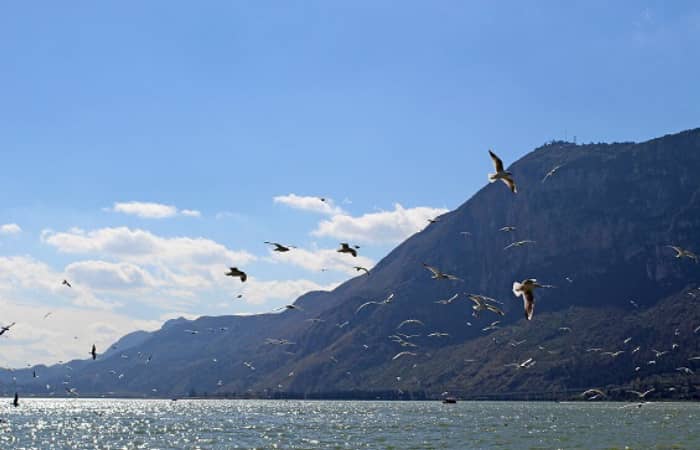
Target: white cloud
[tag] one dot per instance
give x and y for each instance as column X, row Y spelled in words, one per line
column 306, row 203
column 258, row 292
column 387, row 227
column 151, row 210
column 10, row 228
column 102, row 275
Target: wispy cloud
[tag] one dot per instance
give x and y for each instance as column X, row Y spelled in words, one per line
column 384, row 227
column 151, row 210
column 307, row 203
column 10, row 228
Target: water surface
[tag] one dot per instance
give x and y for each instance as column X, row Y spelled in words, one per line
column 223, row 424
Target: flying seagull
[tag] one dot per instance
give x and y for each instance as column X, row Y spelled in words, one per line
column 518, row 244
column 438, row 275
column 448, row 300
column 525, row 289
column 292, row 307
column 642, row 394
column 593, row 394
column 523, row 365
column 683, row 253
column 551, row 173
column 483, row 303
column 66, row 283
column 435, row 220
column 438, row 334
column 685, row 370
column 234, row 272
column 360, row 268
column 93, row 352
column 492, row 326
column 400, row 354
column 507, row 229
column 6, row 328
column 501, row 174
column 409, row 321
column 345, row 248
column 248, row 365
column 279, row 247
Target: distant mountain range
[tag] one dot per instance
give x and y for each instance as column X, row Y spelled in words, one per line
column 601, row 225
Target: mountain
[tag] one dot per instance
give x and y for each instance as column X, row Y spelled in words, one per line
column 601, row 226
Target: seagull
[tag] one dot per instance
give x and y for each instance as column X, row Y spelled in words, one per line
column 248, row 365
column 492, row 326
column 360, row 268
column 633, row 303
column 386, row 301
column 435, row 220
column 234, row 272
column 523, row 365
column 438, row 275
column 682, row 253
column 342, row 325
column 66, row 283
column 507, row 229
column 449, row 300
column 279, row 247
column 93, row 352
column 482, row 303
column 593, row 394
column 594, row 349
column 685, row 370
column 409, row 321
column 291, row 307
column 551, row 172
column 438, row 334
column 15, row 402
column 501, row 174
column 642, row 394
column 74, row 391
column 696, row 330
column 636, row 349
column 345, row 248
column 48, row 314
column 626, row 341
column 518, row 244
column 565, row 329
column 525, row 289
column 658, row 353
column 400, row 354
column 516, row 343
column 315, row 320
column 613, row 354
column 6, row 328
column 192, row 331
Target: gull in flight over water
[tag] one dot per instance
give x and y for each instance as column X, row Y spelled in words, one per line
column 641, row 395
column 501, row 174
column 526, row 290
column 345, row 248
column 279, row 247
column 234, row 272
column 683, row 253
column 438, row 275
column 593, row 394
column 518, row 244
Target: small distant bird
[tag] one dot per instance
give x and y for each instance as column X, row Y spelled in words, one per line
column 696, row 329
column 594, row 349
column 501, row 174
column 34, row 375
column 6, row 328
column 438, row 334
column 343, row 324
column 627, row 341
column 248, row 365
column 593, row 394
column 636, row 349
column 279, row 247
column 465, row 233
column 48, row 314
column 613, row 354
column 74, row 391
column 234, row 272
column 315, row 320
column 642, row 394
column 518, row 244
column 523, row 365
column 633, row 303
column 345, row 248
column 360, row 268
column 192, row 331
column 435, row 220
column 15, row 402
column 685, row 370
column 516, row 343
column 507, row 229
column 438, row 275
column 569, row 279
column 290, row 307
column 401, row 354
column 683, row 253
column 658, row 353
column 66, row 283
column 410, row 321
column 526, row 290
column 448, row 300
column 551, row 173
column 483, row 303
column 565, row 329
column 492, row 326
column 93, row 352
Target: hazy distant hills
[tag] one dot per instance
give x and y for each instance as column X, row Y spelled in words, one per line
column 603, row 221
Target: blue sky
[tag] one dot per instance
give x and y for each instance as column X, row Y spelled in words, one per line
column 221, row 107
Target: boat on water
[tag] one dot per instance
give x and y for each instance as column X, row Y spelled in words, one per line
column 449, row 400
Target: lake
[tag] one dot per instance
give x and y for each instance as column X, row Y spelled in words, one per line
column 222, row 424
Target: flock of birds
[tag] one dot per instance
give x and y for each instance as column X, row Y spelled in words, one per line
column 480, row 304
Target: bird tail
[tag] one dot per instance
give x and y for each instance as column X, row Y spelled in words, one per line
column 517, row 289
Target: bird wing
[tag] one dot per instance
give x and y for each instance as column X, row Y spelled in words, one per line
column 495, row 309
column 365, row 304
column 243, row 276
column 432, row 269
column 529, row 304
column 497, row 163
column 511, row 184
column 353, row 252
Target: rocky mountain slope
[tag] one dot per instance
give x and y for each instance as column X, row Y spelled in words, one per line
column 601, row 226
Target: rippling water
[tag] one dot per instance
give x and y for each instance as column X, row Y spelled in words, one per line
column 223, row 424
